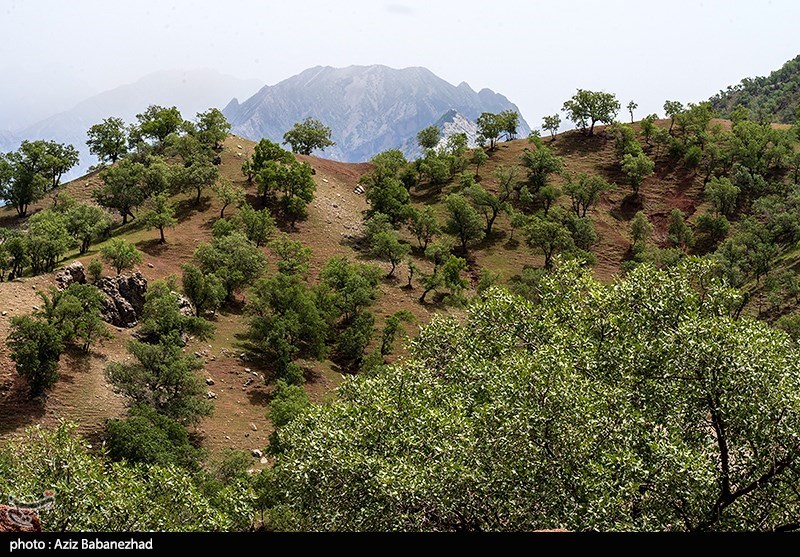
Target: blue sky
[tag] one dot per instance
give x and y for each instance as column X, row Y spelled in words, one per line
column 535, row 52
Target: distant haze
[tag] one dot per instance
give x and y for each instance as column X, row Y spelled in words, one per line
column 58, row 53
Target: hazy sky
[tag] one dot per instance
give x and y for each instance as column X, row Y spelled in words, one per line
column 534, row 52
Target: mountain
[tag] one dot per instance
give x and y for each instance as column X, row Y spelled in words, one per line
column 191, row 91
column 451, row 123
column 369, row 108
column 774, row 97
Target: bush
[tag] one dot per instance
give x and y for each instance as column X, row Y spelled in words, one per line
column 36, row 347
column 149, row 437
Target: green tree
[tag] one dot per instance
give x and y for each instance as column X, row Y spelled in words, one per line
column 308, row 135
column 75, row 312
column 205, row 291
column 424, row 225
column 479, row 157
column 463, row 221
column 540, row 163
column 637, row 168
column 722, row 194
column 36, row 348
column 428, row 138
column 631, row 107
column 143, row 497
column 489, row 129
column 258, row 226
column 672, row 109
column 550, row 236
column 288, row 402
column 551, row 124
column 29, row 172
column 393, row 328
column 122, row 189
column 648, row 128
column 591, row 424
column 678, row 232
column 237, row 261
column 228, row 194
column 160, row 214
column 448, row 274
column 297, row 188
column 157, row 123
column 108, row 140
column 163, row 378
column 386, row 245
column 212, row 128
column 490, row 205
column 354, row 338
column 509, row 121
column 389, row 196
column 163, row 318
column 641, row 231
column 585, row 191
column 120, row 254
column 352, row 286
column 285, row 323
column 148, row 437
column 586, row 108
column 48, row 240
column 293, row 257
column 95, row 270
column 198, row 174
column 86, row 223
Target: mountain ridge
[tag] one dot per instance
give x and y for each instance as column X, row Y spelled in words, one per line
column 368, row 108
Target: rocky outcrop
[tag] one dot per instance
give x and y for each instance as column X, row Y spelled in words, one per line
column 124, row 299
column 71, row 274
column 184, row 305
column 18, row 520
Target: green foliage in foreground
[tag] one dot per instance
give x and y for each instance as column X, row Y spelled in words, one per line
column 639, row 405
column 94, row 494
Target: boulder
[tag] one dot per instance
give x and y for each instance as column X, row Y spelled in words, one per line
column 257, row 453
column 71, row 274
column 18, row 520
column 184, row 305
column 124, row 299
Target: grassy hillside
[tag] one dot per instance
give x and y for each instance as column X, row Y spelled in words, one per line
column 334, row 228
column 773, row 97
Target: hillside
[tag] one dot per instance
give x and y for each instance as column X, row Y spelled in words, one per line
column 333, row 228
column 369, row 108
column 774, row 97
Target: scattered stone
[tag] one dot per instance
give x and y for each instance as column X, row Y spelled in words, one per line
column 124, row 298
column 257, row 453
column 184, row 305
column 209, row 381
column 335, row 206
column 198, row 355
column 228, row 437
column 254, row 427
column 247, row 383
column 359, row 190
column 150, row 265
column 211, row 395
column 5, row 313
column 239, row 147
column 263, row 460
column 13, row 519
column 35, row 308
column 72, row 273
column 247, row 370
column 33, row 286
column 325, row 180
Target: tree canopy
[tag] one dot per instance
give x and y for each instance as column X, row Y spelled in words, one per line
column 536, row 415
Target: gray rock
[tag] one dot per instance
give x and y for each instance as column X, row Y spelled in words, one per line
column 124, row 299
column 257, row 453
column 263, row 460
column 211, row 395
column 254, row 427
column 71, row 274
column 184, row 305
column 209, row 381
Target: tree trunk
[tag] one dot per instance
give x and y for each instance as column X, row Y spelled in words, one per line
column 222, row 211
column 161, row 230
column 197, row 199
